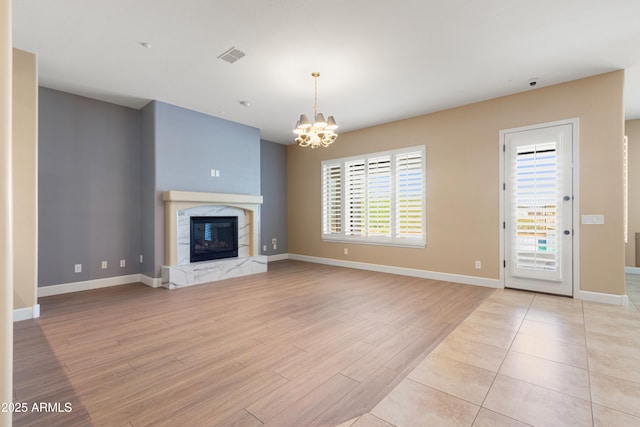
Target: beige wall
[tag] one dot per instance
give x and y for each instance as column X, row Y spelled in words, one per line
column 6, row 261
column 25, row 179
column 463, row 188
column 632, row 130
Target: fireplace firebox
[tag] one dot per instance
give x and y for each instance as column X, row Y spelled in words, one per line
column 213, row 237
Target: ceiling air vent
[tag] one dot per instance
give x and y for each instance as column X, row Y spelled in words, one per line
column 231, row 55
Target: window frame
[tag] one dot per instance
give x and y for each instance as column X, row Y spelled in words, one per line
column 393, row 239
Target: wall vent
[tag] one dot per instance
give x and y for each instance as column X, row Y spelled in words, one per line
column 231, row 55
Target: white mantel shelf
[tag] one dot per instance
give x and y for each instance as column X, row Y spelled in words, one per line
column 179, row 206
column 210, row 198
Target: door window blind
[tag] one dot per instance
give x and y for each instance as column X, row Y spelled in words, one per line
column 536, row 207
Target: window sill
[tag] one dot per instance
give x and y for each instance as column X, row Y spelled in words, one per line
column 417, row 244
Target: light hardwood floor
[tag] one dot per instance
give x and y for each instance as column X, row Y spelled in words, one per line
column 303, row 344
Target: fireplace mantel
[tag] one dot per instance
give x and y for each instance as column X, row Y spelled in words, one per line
column 210, row 198
column 176, row 201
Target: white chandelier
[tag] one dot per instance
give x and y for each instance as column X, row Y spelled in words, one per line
column 320, row 133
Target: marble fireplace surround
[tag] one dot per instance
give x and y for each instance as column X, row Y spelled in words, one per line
column 179, row 207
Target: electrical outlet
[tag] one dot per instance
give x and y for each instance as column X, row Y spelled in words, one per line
column 274, row 241
column 346, row 251
column 104, row 265
column 478, row 265
column 264, row 248
column 141, row 259
column 123, row 263
column 77, row 268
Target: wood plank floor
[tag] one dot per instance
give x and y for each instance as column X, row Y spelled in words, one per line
column 304, row 344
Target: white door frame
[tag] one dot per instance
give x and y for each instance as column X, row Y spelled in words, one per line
column 575, row 125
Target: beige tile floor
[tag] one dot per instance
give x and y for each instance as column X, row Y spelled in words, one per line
column 526, row 359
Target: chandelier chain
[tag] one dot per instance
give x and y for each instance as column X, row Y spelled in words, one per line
column 315, row 94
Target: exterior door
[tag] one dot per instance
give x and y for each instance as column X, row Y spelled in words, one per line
column 539, row 209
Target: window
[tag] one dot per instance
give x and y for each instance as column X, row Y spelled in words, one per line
column 378, row 198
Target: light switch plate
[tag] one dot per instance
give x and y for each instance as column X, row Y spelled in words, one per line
column 593, row 219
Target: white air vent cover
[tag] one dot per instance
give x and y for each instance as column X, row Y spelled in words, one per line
column 231, row 55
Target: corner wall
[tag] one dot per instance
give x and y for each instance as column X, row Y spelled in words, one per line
column 273, row 184
column 148, row 228
column 6, row 202
column 25, row 183
column 463, row 188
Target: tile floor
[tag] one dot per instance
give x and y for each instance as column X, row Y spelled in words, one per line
column 526, row 359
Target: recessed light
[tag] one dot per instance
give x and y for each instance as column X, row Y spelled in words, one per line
column 145, row 44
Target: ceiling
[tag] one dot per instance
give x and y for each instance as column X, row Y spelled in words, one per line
column 379, row 61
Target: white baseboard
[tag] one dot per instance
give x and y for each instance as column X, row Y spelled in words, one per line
column 26, row 313
column 154, row 282
column 278, row 257
column 424, row 274
column 622, row 300
column 34, row 312
column 66, row 288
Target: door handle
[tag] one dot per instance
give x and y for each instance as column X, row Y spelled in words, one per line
column 566, row 198
column 566, row 232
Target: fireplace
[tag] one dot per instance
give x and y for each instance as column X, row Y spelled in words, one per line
column 180, row 207
column 213, row 237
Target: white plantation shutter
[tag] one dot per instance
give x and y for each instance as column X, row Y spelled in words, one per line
column 332, row 199
column 355, row 197
column 377, row 198
column 535, row 208
column 409, row 195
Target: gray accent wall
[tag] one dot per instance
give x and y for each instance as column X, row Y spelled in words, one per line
column 273, row 184
column 89, row 188
column 189, row 144
column 103, row 168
